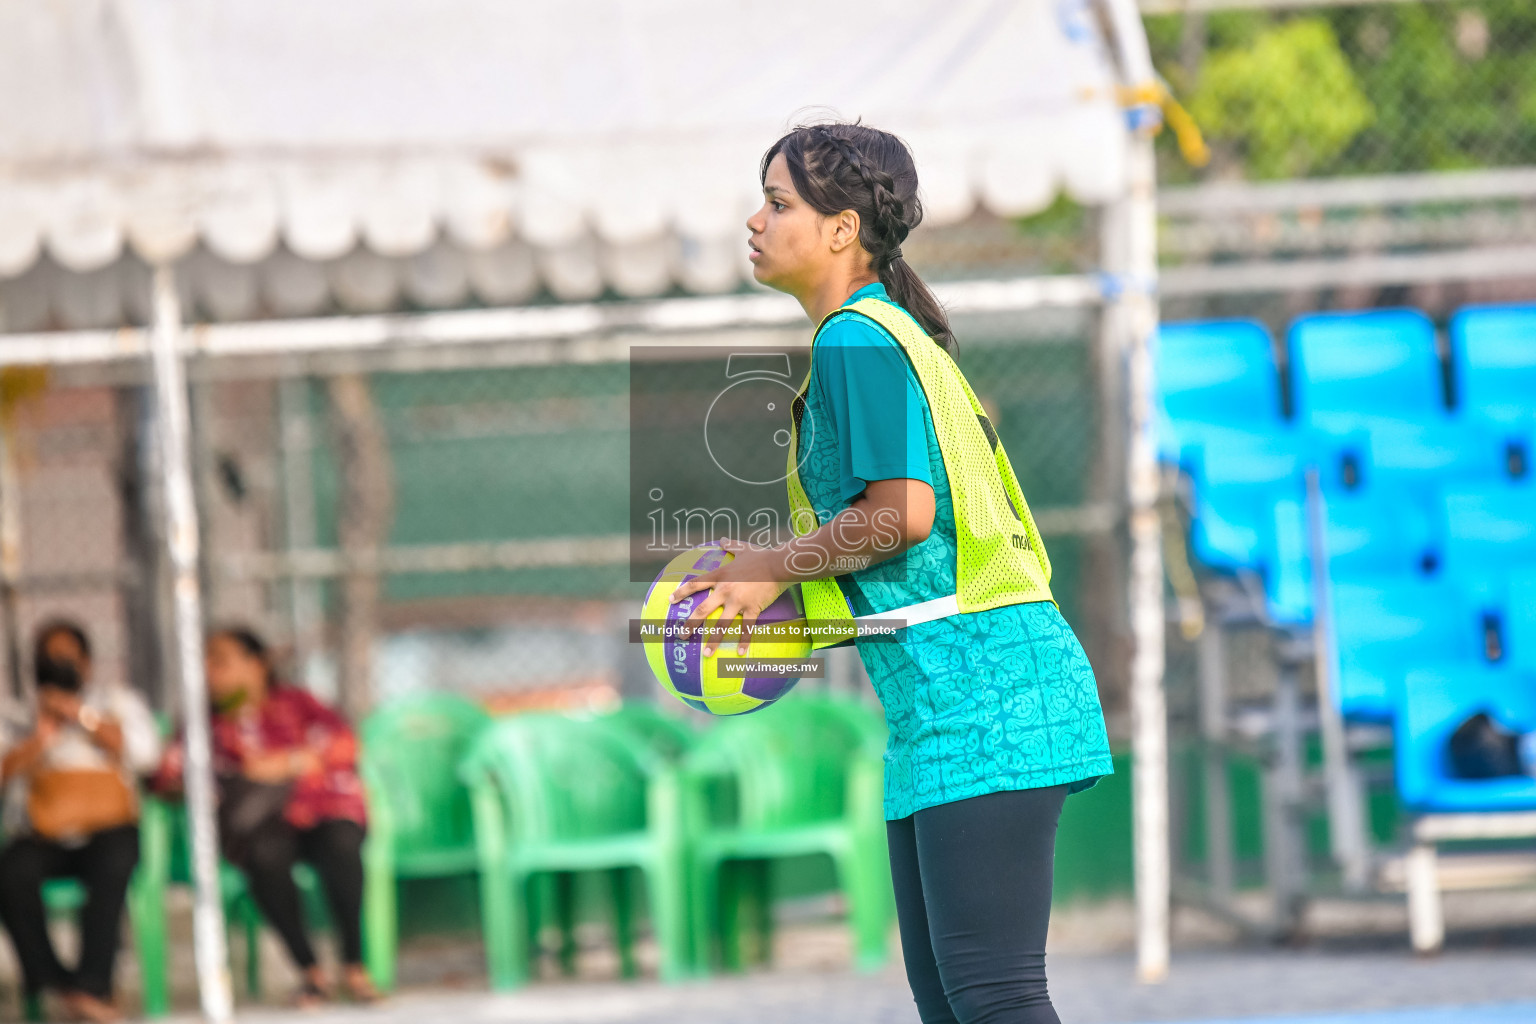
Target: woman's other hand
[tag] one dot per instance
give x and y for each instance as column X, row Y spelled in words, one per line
column 24, row 756
column 281, row 765
column 58, row 705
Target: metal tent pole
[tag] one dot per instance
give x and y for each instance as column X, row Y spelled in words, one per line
column 1149, row 712
column 1134, row 304
column 211, row 957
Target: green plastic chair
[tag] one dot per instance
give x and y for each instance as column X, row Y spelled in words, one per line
column 420, row 823
column 554, row 796
column 804, row 777
column 668, row 735
column 145, row 906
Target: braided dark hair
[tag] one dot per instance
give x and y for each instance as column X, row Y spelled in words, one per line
column 837, row 167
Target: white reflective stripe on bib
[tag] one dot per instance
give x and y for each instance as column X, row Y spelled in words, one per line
column 923, row 611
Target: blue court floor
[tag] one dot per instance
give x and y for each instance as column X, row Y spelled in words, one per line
column 1506, row 1013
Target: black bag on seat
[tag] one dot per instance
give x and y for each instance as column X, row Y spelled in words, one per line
column 1481, row 748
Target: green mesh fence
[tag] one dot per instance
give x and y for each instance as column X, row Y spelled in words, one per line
column 541, row 454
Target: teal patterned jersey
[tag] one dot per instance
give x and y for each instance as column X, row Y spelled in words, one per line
column 977, row 702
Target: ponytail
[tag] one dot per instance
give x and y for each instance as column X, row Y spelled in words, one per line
column 912, row 294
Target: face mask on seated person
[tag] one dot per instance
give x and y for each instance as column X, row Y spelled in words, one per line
column 59, row 674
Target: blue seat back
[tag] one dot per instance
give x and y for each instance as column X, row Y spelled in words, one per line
column 1390, row 531
column 1236, row 485
column 1519, row 620
column 1433, row 701
column 1351, row 368
column 1494, row 349
column 1490, row 529
column 1436, row 452
column 1217, row 376
column 1383, row 628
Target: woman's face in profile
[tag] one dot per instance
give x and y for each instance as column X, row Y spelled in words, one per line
column 787, row 242
column 234, row 674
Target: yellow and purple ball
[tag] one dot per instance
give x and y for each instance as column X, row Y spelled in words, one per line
column 679, row 663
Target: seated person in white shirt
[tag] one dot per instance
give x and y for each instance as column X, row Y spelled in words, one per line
column 70, row 773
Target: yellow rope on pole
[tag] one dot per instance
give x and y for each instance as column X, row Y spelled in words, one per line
column 19, row 383
column 1155, row 93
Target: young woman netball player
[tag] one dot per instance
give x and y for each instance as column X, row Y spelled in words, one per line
column 992, row 706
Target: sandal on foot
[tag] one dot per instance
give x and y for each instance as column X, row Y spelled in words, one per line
column 311, row 995
column 360, row 988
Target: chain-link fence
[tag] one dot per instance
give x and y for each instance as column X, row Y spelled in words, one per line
column 1353, row 89
column 406, row 521
column 1366, row 154
column 71, row 544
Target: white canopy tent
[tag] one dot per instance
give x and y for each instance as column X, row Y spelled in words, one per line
column 373, row 149
column 283, row 157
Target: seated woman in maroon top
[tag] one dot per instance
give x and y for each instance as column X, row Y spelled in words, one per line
column 289, row 791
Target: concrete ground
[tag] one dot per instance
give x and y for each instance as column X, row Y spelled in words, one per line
column 1087, row 990
column 1354, row 966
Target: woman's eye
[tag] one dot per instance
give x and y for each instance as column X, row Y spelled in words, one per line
column 778, row 206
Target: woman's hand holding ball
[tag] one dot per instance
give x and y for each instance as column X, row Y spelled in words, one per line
column 743, row 586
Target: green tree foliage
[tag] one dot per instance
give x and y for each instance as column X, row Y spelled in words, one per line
column 1290, row 100
column 1449, row 84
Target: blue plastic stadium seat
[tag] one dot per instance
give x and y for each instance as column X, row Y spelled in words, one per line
column 1439, row 452
column 1215, row 378
column 1237, row 483
column 1490, row 531
column 1350, row 370
column 1374, row 382
column 1518, row 617
column 1369, row 535
column 1432, row 702
column 1494, row 351
column 1384, row 628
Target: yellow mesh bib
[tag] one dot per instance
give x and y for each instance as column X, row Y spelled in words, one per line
column 1000, row 557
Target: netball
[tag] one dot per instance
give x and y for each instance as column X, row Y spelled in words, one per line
column 678, row 661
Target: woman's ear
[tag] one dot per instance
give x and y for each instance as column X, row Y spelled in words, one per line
column 845, row 230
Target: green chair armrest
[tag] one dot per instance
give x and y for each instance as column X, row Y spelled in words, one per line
column 379, row 847
column 665, row 812
column 490, row 821
column 154, row 843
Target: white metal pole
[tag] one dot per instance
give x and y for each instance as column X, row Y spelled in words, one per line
column 211, row 957
column 1136, row 308
column 1149, row 714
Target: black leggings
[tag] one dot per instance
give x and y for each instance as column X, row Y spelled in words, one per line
column 334, row 849
column 105, row 863
column 973, row 899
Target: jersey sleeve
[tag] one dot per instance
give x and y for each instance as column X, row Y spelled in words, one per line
column 875, row 403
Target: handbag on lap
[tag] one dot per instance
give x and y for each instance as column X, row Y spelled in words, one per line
column 245, row 806
column 64, row 803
